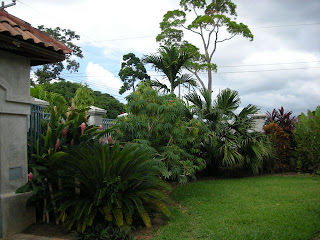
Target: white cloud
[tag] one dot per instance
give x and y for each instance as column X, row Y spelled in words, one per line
column 101, row 79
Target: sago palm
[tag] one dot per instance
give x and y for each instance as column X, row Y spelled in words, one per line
column 116, row 184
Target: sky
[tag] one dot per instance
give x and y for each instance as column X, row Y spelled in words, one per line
column 280, row 67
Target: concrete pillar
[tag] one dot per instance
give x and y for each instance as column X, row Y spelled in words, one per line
column 259, row 120
column 96, row 115
column 14, row 109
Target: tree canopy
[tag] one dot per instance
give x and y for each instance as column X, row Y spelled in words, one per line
column 210, row 19
column 132, row 70
column 48, row 72
column 68, row 91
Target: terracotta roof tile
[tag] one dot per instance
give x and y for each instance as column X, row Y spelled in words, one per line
column 18, row 28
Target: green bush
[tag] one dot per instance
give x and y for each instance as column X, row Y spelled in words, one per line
column 64, row 129
column 116, row 185
column 159, row 121
column 307, row 137
column 230, row 142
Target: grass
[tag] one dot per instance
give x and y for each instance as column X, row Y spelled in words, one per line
column 271, row 207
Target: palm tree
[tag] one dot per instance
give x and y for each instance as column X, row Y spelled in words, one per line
column 170, row 61
column 231, row 141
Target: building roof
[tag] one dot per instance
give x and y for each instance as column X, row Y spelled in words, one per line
column 19, row 37
column 15, row 27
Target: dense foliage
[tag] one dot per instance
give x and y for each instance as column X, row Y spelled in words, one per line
column 307, row 137
column 48, row 72
column 132, row 72
column 159, row 121
column 279, row 128
column 230, row 142
column 116, row 184
column 68, row 91
column 62, row 131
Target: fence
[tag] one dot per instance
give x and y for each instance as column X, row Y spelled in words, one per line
column 35, row 126
column 106, row 123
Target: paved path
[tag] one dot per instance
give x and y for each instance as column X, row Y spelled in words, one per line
column 22, row 236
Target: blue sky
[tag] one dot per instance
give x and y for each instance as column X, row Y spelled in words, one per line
column 281, row 67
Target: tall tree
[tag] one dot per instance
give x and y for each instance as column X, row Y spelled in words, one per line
column 132, row 70
column 170, row 61
column 48, row 72
column 211, row 19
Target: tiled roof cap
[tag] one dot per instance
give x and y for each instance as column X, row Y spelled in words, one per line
column 15, row 27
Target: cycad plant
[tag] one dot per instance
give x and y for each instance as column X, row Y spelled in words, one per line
column 230, row 141
column 116, row 184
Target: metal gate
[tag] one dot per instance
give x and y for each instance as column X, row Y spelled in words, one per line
column 35, row 128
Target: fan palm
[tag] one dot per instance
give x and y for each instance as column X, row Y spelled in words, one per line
column 231, row 141
column 170, row 61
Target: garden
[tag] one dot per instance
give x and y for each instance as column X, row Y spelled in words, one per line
column 176, row 167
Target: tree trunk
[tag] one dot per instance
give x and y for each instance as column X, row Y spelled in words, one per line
column 210, row 80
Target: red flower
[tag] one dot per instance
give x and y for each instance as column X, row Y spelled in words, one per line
column 100, row 127
column 30, row 176
column 83, row 127
column 109, row 139
column 56, row 145
column 64, row 132
column 170, row 100
column 102, row 140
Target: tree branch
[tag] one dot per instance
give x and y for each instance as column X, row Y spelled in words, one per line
column 227, row 38
column 215, row 44
column 197, row 76
column 190, row 30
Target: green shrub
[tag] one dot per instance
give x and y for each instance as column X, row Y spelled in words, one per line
column 230, row 142
column 307, row 137
column 160, row 122
column 64, row 129
column 116, row 184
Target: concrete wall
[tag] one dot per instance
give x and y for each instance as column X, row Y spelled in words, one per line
column 259, row 120
column 14, row 109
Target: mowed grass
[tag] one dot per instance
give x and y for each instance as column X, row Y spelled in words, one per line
column 270, row 207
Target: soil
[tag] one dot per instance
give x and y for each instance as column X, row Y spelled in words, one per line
column 48, row 230
column 57, row 231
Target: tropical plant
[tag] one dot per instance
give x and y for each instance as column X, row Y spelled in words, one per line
column 282, row 118
column 116, row 184
column 279, row 128
column 83, row 97
column 160, row 122
column 282, row 144
column 60, row 132
column 230, row 142
column 170, row 61
column 307, row 137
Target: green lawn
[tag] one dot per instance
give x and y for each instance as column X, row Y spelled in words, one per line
column 271, row 207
